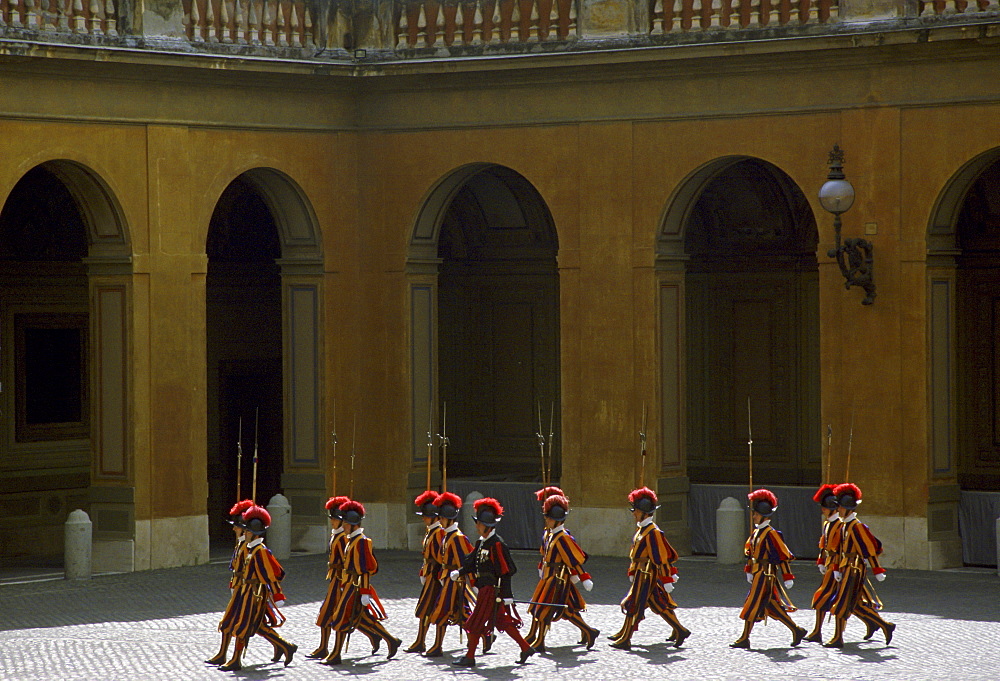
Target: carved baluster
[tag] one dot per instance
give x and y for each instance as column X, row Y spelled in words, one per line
column 95, row 17
column 30, row 15
column 267, row 22
column 477, row 24
column 210, row 22
column 253, row 24
column 194, row 20
column 534, row 31
column 240, row 22
column 279, row 24
column 441, row 24
column 62, row 18
column 79, row 21
column 224, row 34
column 110, row 14
column 294, row 26
column 403, row 28
column 422, row 25
column 515, row 21
column 15, row 14
column 715, row 16
column 656, row 18
column 572, row 35
column 755, row 13
column 460, row 23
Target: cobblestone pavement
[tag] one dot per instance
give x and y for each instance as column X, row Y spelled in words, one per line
column 162, row 625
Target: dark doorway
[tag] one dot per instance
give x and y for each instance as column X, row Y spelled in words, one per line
column 752, row 329
column 244, row 350
column 498, row 327
column 978, row 312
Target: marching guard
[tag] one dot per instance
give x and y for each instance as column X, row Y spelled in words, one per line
column 491, row 567
column 560, row 571
column 358, row 606
column 829, row 556
column 227, row 622
column 334, row 572
column 430, row 570
column 260, row 596
column 767, row 571
column 858, row 547
column 455, row 598
column 651, row 573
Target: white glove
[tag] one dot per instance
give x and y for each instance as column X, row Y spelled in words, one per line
column 668, row 587
column 676, row 577
column 279, row 604
column 453, row 575
column 574, row 578
column 422, row 580
column 880, row 577
column 588, row 584
column 749, row 578
column 475, row 590
column 508, row 601
column 365, row 600
column 789, row 583
column 822, row 569
column 539, row 573
column 631, row 579
column 837, row 575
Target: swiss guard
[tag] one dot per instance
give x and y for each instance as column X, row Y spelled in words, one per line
column 455, row 598
column 859, row 548
column 767, row 571
column 226, row 624
column 334, row 575
column 358, row 606
column 261, row 597
column 652, row 574
column 829, row 557
column 430, row 570
column 491, row 567
column 556, row 597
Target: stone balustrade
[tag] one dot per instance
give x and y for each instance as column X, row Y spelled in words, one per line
column 350, row 29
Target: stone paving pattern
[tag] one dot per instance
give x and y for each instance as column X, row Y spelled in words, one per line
column 162, row 625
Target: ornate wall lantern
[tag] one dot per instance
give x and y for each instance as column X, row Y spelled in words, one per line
column 855, row 255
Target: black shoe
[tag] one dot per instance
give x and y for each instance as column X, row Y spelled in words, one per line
column 487, row 642
column 591, row 638
column 815, row 637
column 289, row 654
column 218, row 659
column 393, row 644
column 681, row 637
column 376, row 644
column 797, row 637
column 332, row 660
column 870, row 631
column 434, row 652
column 525, row 654
column 232, row 666
column 540, row 648
column 277, row 655
column 889, row 628
column 624, row 644
column 835, row 643
column 464, row 662
column 417, row 647
column 318, row 654
column 741, row 643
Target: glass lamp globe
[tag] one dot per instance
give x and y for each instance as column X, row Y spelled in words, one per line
column 837, row 196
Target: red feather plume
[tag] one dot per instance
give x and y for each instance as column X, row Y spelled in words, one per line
column 425, row 497
column 333, row 503
column 488, row 502
column 822, row 492
column 848, row 488
column 240, row 507
column 353, row 506
column 765, row 494
column 258, row 512
column 637, row 494
column 547, row 492
column 555, row 500
column 448, row 498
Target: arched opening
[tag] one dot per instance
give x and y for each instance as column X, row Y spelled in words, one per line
column 963, row 260
column 747, row 237
column 484, row 301
column 64, row 289
column 263, row 348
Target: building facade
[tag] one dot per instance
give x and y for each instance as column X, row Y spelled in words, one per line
column 295, row 229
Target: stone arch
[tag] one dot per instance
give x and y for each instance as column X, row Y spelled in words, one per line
column 91, row 297
column 495, row 194
column 296, row 377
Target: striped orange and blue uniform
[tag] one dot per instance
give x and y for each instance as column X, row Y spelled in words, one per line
column 262, row 575
column 767, row 560
column 358, row 567
column 829, row 557
column 562, row 566
column 651, row 565
column 338, row 539
column 228, row 622
column 430, row 571
column 456, row 598
column 858, row 548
